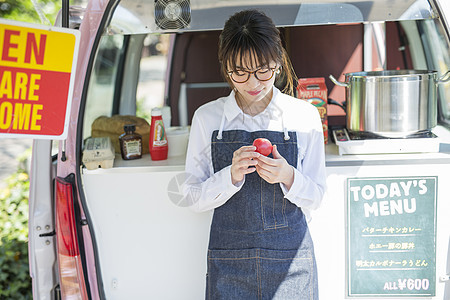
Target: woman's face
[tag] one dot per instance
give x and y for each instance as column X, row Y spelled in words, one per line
column 254, row 90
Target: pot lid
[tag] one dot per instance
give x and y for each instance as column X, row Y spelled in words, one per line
column 391, row 73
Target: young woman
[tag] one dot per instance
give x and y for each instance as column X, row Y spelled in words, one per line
column 260, row 246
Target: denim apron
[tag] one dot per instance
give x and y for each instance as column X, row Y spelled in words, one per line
column 259, row 246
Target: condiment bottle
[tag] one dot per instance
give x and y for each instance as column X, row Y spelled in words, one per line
column 130, row 143
column 158, row 145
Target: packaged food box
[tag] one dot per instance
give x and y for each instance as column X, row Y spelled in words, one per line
column 112, row 127
column 98, row 152
column 315, row 91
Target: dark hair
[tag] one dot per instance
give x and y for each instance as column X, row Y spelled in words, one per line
column 252, row 32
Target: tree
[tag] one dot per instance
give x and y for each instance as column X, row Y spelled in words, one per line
column 15, row 281
column 32, row 11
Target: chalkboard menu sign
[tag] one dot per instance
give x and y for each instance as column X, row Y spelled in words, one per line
column 391, row 236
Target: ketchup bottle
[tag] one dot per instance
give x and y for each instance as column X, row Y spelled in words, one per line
column 158, row 142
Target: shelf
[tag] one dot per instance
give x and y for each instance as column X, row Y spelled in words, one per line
column 332, row 157
column 144, row 164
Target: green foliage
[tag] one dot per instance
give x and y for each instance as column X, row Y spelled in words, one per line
column 142, row 112
column 25, row 10
column 15, row 281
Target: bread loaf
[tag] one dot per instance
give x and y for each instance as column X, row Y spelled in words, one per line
column 112, row 127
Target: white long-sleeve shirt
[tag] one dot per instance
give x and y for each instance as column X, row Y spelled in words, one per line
column 207, row 190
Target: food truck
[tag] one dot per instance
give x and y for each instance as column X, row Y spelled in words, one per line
column 104, row 227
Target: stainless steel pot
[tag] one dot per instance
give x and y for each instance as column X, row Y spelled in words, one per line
column 391, row 103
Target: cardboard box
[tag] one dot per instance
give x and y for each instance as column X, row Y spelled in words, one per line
column 315, row 92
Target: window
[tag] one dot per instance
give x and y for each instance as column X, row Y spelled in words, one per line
column 102, row 84
column 128, row 77
column 424, row 46
column 436, row 49
column 152, row 75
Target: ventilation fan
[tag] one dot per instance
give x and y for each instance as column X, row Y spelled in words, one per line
column 172, row 14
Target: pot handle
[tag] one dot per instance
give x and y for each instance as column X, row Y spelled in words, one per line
column 334, row 102
column 336, row 82
column 444, row 78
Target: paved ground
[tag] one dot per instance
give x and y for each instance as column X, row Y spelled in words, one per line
column 10, row 149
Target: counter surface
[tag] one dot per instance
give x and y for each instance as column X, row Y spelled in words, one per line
column 333, row 159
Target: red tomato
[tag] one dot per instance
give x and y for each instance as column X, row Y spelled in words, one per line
column 263, row 146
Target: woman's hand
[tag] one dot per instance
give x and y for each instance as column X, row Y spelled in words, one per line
column 244, row 162
column 276, row 169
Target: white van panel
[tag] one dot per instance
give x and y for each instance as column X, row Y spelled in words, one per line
column 148, row 247
column 151, row 249
column 329, row 222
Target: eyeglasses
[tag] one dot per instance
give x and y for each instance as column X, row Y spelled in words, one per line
column 262, row 74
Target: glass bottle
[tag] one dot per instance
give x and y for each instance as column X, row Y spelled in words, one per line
column 130, row 143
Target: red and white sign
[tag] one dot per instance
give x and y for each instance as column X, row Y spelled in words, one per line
column 37, row 72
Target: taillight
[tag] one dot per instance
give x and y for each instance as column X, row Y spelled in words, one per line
column 70, row 269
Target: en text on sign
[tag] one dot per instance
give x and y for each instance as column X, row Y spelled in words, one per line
column 37, row 70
